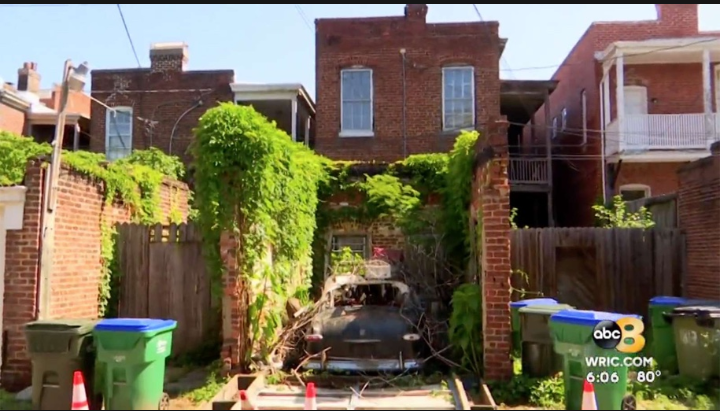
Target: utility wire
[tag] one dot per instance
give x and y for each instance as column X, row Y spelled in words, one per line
column 127, row 31
column 303, row 16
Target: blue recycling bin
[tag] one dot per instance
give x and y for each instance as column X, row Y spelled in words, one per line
column 515, row 319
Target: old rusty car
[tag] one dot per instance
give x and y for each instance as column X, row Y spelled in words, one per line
column 369, row 322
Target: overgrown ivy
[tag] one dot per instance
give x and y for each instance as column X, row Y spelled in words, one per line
column 134, row 180
column 401, row 194
column 252, row 180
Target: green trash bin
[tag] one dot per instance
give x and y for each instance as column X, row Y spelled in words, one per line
column 133, row 353
column 57, row 349
column 572, row 332
column 538, row 356
column 697, row 340
column 515, row 328
column 661, row 337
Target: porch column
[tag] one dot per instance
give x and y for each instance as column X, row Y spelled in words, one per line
column 620, row 87
column 707, row 87
column 76, row 137
column 294, row 118
column 606, row 97
column 707, row 97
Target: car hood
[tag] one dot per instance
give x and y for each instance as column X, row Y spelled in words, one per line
column 364, row 323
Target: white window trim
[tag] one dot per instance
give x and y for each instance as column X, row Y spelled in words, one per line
column 583, row 101
column 108, row 122
column 554, row 127
column 563, row 119
column 358, row 133
column 472, row 89
column 635, row 187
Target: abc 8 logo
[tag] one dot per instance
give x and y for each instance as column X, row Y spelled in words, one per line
column 625, row 335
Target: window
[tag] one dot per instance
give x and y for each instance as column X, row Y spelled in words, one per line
column 583, row 100
column 554, row 127
column 563, row 121
column 356, row 109
column 630, row 192
column 357, row 243
column 458, row 94
column 118, row 133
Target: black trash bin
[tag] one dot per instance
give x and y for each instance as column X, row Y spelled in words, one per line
column 57, row 349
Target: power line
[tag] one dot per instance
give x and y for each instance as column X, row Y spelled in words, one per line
column 132, row 45
column 303, row 16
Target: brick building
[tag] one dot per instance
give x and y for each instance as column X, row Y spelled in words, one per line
column 699, row 217
column 154, row 107
column 27, row 109
column 388, row 87
column 666, row 68
column 72, row 289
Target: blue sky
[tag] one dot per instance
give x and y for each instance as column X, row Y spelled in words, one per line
column 275, row 43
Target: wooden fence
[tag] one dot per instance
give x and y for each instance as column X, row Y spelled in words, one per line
column 663, row 209
column 616, row 270
column 164, row 276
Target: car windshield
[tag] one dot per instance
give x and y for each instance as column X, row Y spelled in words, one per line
column 367, row 294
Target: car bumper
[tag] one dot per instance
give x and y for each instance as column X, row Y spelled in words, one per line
column 362, row 365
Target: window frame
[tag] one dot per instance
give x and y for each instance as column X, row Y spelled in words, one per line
column 554, row 127
column 108, row 122
column 563, row 119
column 365, row 237
column 357, row 133
column 445, row 127
column 635, row 187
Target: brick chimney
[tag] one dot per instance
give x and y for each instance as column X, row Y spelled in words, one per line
column 28, row 78
column 416, row 12
column 168, row 56
column 683, row 18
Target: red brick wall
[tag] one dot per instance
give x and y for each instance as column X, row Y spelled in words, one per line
column 375, row 43
column 158, row 96
column 578, row 182
column 12, row 119
column 662, row 178
column 493, row 199
column 76, row 260
column 699, row 216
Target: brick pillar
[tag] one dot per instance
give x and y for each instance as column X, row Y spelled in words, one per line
column 233, row 303
column 494, row 251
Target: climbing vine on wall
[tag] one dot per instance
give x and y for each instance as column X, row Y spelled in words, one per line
column 400, row 193
column 253, row 181
column 134, row 180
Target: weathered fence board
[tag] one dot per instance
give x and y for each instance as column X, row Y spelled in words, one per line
column 164, row 276
column 597, row 268
column 662, row 208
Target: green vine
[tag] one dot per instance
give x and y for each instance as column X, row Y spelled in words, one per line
column 465, row 332
column 252, row 180
column 134, row 180
column 617, row 215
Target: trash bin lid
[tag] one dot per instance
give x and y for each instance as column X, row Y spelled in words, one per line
column 667, row 300
column 533, row 301
column 701, row 311
column 587, row 318
column 137, row 325
column 545, row 309
column 71, row 326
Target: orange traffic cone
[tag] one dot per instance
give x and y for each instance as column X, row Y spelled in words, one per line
column 588, row 398
column 79, row 396
column 310, row 397
column 245, row 403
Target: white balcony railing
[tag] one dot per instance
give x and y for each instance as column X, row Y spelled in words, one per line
column 640, row 132
column 528, row 170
